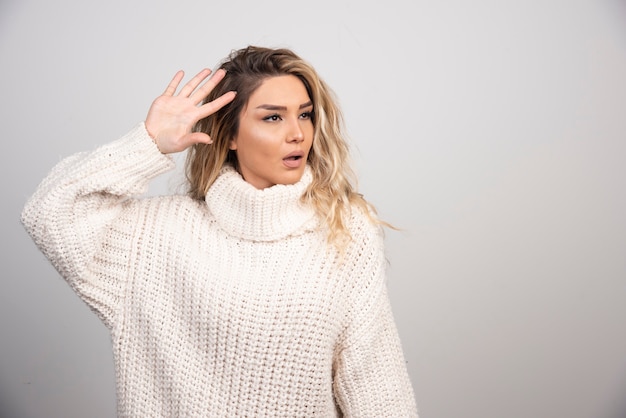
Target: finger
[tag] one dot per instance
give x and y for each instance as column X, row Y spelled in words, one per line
column 194, row 83
column 171, row 88
column 215, row 105
column 201, row 93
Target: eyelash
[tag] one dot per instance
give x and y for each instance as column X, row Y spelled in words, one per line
column 276, row 116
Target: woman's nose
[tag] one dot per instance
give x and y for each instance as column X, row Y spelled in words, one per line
column 296, row 134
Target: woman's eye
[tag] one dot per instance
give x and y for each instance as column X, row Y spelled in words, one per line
column 272, row 118
column 306, row 115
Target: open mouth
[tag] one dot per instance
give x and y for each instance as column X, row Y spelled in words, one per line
column 293, row 158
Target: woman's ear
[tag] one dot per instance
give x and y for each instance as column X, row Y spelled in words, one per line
column 232, row 144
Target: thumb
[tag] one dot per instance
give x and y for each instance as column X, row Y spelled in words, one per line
column 199, row 138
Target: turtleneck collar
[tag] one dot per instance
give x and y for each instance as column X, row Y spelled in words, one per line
column 260, row 215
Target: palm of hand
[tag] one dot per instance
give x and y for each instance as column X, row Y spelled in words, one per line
column 171, row 117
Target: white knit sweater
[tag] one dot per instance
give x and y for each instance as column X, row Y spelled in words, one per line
column 235, row 306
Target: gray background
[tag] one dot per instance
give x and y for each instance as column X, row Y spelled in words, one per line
column 491, row 132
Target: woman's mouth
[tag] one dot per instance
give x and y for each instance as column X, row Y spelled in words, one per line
column 293, row 160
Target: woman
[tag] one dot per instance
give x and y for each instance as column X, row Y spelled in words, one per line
column 262, row 292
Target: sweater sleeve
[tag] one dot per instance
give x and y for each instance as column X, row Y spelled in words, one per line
column 70, row 216
column 370, row 373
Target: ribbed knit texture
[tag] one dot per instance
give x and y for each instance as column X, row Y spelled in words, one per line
column 236, row 306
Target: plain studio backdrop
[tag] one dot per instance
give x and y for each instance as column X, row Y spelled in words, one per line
column 492, row 133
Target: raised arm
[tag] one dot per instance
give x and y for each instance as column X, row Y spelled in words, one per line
column 81, row 215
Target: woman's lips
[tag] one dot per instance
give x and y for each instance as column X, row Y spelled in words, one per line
column 294, row 160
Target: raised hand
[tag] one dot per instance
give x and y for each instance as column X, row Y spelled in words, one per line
column 172, row 116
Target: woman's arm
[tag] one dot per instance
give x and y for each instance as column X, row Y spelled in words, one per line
column 71, row 215
column 370, row 374
column 371, row 378
column 75, row 216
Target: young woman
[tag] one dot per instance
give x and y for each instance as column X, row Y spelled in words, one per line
column 261, row 292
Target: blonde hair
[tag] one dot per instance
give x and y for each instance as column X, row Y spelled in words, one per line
column 332, row 190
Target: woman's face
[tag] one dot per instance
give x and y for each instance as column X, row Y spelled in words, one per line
column 275, row 133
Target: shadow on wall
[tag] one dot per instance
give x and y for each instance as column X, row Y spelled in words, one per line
column 8, row 409
column 619, row 409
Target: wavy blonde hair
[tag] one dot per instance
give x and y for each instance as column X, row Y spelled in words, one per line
column 332, row 192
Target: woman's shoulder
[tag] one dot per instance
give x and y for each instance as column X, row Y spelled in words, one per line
column 169, row 209
column 365, row 236
column 363, row 223
column 176, row 203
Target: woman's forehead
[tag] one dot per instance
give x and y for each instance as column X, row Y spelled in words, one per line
column 284, row 90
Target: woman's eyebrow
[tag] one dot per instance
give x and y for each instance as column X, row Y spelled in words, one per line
column 276, row 107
